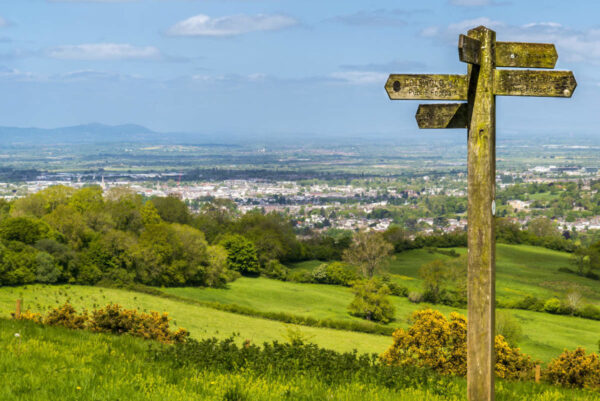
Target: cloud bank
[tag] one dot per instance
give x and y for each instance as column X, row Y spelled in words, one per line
column 203, row 25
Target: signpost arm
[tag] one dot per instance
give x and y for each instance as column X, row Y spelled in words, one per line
column 481, row 237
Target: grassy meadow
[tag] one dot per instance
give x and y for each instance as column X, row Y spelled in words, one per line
column 77, row 365
column 521, row 270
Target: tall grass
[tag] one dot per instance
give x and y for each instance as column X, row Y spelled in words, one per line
column 48, row 363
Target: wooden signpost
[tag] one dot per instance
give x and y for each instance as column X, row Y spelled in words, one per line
column 479, row 88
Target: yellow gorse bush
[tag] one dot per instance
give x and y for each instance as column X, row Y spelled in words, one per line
column 436, row 342
column 575, row 369
column 112, row 319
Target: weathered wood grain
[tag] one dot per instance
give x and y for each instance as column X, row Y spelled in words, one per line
column 427, row 86
column 481, row 163
column 468, row 49
column 534, row 83
column 525, row 55
column 447, row 115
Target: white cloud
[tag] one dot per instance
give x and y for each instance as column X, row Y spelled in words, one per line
column 105, row 51
column 203, row 25
column 360, row 77
column 572, row 45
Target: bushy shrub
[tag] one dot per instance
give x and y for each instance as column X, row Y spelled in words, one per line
column 300, row 276
column 288, row 359
column 112, row 319
column 529, row 303
column 241, row 255
column 275, row 270
column 395, row 288
column 575, row 369
column 435, row 342
column 415, row 297
column 66, row 316
column 589, row 312
column 333, row 273
column 371, row 301
column 553, row 305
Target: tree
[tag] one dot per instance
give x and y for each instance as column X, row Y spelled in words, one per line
column 24, row 229
column 371, row 301
column 216, row 272
column 172, row 209
column 87, row 199
column 543, row 227
column 435, row 276
column 368, row 251
column 215, row 218
column 124, row 207
column 47, row 271
column 241, row 255
column 271, row 234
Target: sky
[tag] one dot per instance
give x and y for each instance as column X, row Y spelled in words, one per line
column 274, row 67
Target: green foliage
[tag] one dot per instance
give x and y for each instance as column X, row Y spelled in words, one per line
column 553, row 305
column 272, row 236
column 508, row 327
column 334, row 273
column 46, row 269
column 274, row 269
column 172, row 209
column 241, row 255
column 371, row 301
column 27, row 230
column 77, row 236
column 297, row 358
column 119, row 367
column 368, row 251
column 444, row 282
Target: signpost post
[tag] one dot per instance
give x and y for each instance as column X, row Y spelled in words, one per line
column 479, row 88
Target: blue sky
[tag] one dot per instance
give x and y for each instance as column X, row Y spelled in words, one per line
column 268, row 67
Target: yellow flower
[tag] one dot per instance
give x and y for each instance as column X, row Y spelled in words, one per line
column 78, row 388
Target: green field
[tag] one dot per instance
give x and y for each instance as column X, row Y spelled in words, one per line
column 200, row 321
column 49, row 362
column 521, row 270
column 545, row 335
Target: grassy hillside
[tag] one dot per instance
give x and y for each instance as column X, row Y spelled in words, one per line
column 200, row 321
column 545, row 335
column 521, row 270
column 79, row 365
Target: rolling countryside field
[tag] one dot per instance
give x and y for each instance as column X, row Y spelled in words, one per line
column 545, row 335
column 46, row 361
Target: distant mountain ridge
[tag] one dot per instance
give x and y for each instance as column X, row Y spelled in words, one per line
column 85, row 133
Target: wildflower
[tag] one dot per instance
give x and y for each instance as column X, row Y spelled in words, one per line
column 78, row 388
column 17, row 335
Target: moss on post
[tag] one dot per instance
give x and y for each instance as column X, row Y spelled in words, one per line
column 481, row 194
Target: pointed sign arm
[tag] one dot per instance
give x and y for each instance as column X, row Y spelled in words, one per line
column 510, row 54
column 534, row 83
column 427, row 87
column 442, row 115
column 525, row 55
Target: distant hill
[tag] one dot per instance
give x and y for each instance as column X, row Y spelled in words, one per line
column 78, row 134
